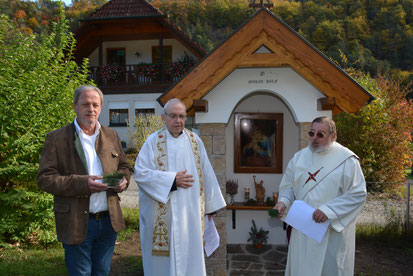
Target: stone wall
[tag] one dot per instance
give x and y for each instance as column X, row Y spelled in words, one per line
column 213, row 136
column 304, row 129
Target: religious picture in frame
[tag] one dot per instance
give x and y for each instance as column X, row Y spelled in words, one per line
column 258, row 142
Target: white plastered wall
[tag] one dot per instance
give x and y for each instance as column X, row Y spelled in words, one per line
column 143, row 47
column 260, row 90
column 132, row 101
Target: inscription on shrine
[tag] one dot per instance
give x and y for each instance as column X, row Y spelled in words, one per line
column 267, row 81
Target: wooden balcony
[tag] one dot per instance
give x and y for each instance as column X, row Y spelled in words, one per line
column 131, row 78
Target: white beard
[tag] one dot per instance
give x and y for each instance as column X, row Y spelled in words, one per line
column 321, row 149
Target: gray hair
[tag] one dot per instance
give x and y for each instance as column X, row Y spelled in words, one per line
column 172, row 101
column 327, row 121
column 84, row 88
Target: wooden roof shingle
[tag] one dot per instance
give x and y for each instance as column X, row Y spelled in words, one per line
column 124, row 8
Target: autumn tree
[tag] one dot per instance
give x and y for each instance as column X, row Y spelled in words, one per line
column 380, row 133
column 38, row 77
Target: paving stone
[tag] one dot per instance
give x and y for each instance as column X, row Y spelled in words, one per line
column 247, row 273
column 268, row 261
column 240, row 265
column 283, row 248
column 245, row 258
column 274, row 273
column 255, row 266
column 257, row 251
column 273, row 266
column 274, row 256
column 234, row 249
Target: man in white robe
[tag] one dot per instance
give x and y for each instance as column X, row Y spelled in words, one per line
column 328, row 177
column 177, row 188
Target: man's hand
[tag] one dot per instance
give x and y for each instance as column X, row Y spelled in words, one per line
column 319, row 216
column 211, row 216
column 121, row 186
column 95, row 186
column 184, row 180
column 280, row 207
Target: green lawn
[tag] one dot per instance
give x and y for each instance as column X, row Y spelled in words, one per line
column 37, row 260
column 33, row 261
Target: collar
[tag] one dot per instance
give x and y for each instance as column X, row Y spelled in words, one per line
column 79, row 130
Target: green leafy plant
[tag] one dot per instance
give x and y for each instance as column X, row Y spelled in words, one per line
column 251, row 202
column 144, row 126
column 257, row 236
column 269, row 201
column 113, row 179
column 273, row 213
column 26, row 217
column 38, row 78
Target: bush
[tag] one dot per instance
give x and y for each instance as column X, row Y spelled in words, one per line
column 380, row 133
column 144, row 126
column 26, row 217
column 38, row 78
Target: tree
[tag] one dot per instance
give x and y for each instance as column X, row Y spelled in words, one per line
column 380, row 133
column 38, row 77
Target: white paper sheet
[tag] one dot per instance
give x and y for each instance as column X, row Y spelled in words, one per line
column 211, row 237
column 300, row 216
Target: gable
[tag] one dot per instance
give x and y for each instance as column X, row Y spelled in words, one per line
column 123, row 20
column 266, row 41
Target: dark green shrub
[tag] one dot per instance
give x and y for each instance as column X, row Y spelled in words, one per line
column 26, row 217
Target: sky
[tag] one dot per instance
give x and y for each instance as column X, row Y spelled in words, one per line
column 67, row 2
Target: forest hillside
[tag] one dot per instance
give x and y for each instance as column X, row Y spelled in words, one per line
column 374, row 36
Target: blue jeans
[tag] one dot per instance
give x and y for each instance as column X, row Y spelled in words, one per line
column 94, row 255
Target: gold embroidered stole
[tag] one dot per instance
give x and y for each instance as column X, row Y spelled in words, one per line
column 160, row 240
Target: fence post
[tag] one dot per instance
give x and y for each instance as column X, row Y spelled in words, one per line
column 408, row 207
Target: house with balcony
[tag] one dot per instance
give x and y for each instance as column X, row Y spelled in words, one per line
column 135, row 54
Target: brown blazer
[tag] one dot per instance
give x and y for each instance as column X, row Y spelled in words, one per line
column 63, row 173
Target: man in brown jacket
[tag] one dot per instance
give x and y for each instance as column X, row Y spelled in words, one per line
column 87, row 212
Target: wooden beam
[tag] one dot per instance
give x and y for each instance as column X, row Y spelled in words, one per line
column 327, row 103
column 200, row 105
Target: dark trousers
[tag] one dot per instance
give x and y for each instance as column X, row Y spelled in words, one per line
column 94, row 255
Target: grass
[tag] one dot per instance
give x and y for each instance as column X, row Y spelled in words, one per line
column 393, row 233
column 33, row 261
column 38, row 260
column 131, row 216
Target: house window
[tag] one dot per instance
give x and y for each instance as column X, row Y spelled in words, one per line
column 144, row 112
column 118, row 117
column 166, row 54
column 190, row 123
column 115, row 56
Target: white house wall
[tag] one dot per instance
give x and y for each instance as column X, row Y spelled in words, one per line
column 298, row 94
column 144, row 47
column 131, row 100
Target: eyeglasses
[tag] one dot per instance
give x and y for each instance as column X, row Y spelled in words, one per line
column 175, row 116
column 319, row 134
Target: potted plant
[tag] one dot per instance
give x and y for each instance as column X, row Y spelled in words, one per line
column 258, row 237
column 231, row 189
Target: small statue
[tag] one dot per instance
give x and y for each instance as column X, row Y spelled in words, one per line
column 260, row 191
column 247, row 193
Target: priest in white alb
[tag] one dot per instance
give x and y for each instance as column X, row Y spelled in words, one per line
column 177, row 189
column 328, row 177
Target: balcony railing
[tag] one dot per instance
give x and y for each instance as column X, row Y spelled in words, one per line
column 138, row 74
